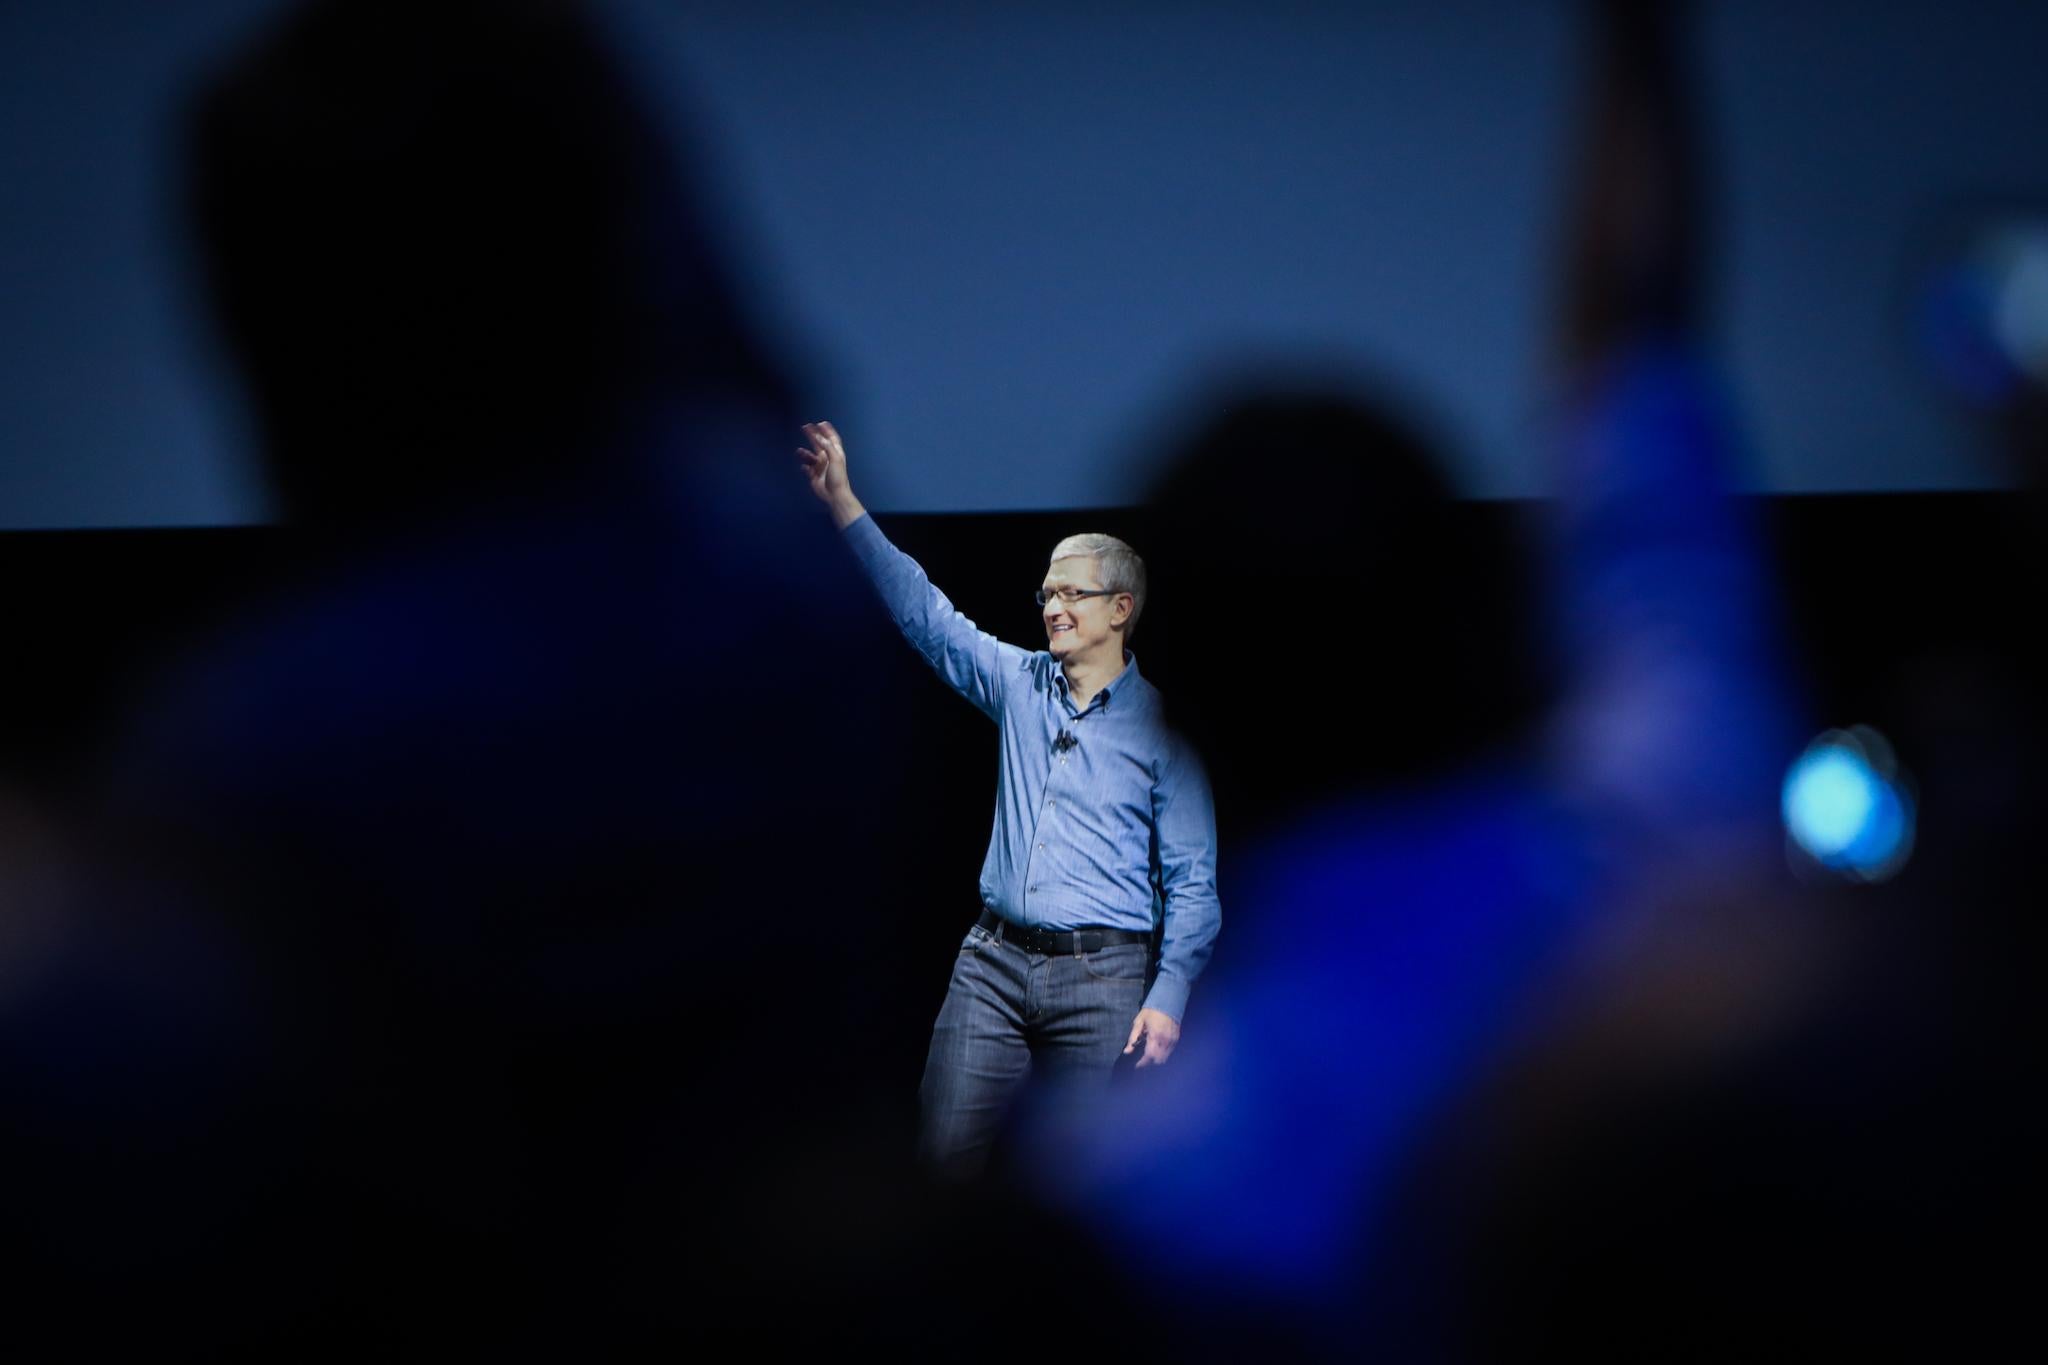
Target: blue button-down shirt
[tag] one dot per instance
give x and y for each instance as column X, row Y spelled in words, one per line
column 1117, row 829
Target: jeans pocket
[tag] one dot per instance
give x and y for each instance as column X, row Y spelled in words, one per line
column 1118, row 962
column 977, row 939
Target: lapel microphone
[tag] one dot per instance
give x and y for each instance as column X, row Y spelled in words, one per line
column 1064, row 743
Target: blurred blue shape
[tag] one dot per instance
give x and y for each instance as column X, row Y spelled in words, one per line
column 1983, row 314
column 1844, row 808
column 1831, row 796
column 2020, row 317
column 1268, row 1159
column 1956, row 310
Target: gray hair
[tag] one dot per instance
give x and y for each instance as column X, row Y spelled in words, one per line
column 1116, row 564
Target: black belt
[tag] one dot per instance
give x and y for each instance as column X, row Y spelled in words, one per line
column 1057, row 942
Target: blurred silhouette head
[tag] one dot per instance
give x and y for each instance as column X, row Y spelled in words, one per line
column 1371, row 635
column 451, row 254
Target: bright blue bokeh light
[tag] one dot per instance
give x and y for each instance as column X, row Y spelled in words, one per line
column 1830, row 796
column 1843, row 807
column 1882, row 833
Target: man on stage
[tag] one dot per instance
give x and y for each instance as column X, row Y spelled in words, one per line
column 1104, row 833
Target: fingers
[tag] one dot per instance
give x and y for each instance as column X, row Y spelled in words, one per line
column 812, row 460
column 825, row 441
column 1161, row 1034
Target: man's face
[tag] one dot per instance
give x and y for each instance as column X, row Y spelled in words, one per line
column 1083, row 627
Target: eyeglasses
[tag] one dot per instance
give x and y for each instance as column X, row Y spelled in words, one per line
column 1073, row 595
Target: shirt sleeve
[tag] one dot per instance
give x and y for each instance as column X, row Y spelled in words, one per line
column 1184, row 821
column 973, row 662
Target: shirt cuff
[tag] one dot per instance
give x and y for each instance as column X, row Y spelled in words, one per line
column 1169, row 995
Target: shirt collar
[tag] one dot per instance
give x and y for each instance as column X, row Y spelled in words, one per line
column 1110, row 689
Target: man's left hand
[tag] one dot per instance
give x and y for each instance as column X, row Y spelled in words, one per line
column 1160, row 1033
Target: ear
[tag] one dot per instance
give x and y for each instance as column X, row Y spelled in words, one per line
column 1121, row 612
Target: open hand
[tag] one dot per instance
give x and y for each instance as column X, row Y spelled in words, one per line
column 824, row 462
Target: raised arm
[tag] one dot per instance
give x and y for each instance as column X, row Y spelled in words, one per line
column 973, row 663
column 1632, row 250
column 1675, row 704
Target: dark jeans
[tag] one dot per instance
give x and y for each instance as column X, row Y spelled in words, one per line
column 1009, row 1013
